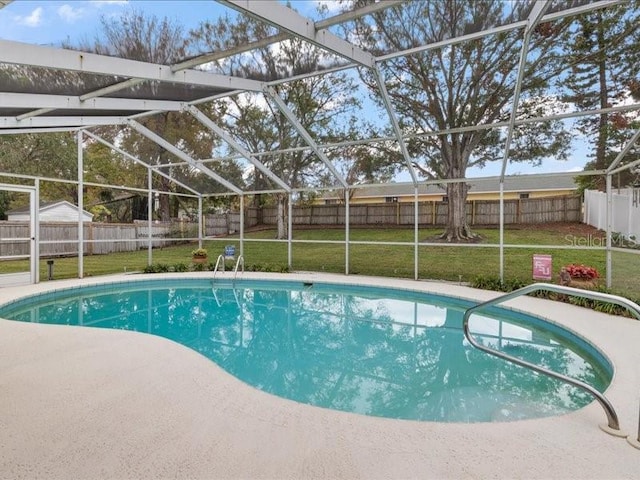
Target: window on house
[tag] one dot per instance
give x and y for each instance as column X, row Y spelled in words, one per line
column 445, row 199
column 524, row 195
column 391, row 199
column 331, row 201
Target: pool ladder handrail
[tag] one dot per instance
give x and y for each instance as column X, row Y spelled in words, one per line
column 218, row 262
column 612, row 418
column 235, row 270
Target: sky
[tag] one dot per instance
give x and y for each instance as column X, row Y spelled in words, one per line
column 54, row 22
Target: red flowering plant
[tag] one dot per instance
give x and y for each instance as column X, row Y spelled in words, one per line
column 582, row 272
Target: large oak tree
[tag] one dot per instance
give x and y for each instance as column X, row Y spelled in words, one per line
column 463, row 85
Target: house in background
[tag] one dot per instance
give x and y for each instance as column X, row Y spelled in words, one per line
column 60, row 211
column 515, row 187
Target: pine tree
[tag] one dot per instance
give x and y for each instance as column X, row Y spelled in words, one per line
column 603, row 49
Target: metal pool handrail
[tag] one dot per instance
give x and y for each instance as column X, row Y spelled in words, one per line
column 235, row 270
column 215, row 269
column 612, row 417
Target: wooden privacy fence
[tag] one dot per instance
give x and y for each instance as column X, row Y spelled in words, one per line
column 566, row 208
column 100, row 238
column 104, row 238
column 228, row 223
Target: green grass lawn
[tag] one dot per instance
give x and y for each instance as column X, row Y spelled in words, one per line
column 442, row 261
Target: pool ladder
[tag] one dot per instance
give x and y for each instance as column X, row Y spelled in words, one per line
column 220, row 261
column 613, row 425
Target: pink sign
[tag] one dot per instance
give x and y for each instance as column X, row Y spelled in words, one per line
column 542, row 267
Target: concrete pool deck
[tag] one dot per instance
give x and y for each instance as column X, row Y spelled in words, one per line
column 94, row 403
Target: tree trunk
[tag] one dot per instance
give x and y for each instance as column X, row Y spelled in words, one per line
column 457, row 227
column 164, row 207
column 282, row 224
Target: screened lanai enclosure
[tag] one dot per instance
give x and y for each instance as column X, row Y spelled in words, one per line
column 460, row 129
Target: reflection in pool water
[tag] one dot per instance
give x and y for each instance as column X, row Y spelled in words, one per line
column 374, row 351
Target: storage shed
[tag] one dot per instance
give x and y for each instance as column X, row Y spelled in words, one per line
column 60, row 211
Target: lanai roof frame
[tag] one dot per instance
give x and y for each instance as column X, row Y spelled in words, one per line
column 39, row 106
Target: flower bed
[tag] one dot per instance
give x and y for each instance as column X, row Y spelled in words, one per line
column 579, row 276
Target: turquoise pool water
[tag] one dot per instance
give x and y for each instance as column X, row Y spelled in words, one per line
column 380, row 352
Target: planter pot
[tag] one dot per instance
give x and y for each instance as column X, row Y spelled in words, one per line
column 199, row 259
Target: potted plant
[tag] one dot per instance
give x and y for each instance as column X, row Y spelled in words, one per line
column 199, row 255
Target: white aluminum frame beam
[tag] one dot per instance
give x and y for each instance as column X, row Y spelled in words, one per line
column 80, row 204
column 279, row 37
column 358, row 12
column 271, row 93
column 245, row 47
column 347, row 143
column 632, row 141
column 72, row 60
column 323, row 24
column 284, row 18
column 62, row 102
column 99, row 185
column 198, row 165
column 15, row 131
column 71, row 121
column 138, row 161
column 132, row 82
column 503, row 28
column 399, row 137
column 207, row 122
column 535, row 15
column 34, row 113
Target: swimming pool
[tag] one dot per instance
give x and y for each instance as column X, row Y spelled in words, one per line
column 374, row 351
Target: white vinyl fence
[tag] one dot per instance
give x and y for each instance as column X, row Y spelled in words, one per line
column 626, row 211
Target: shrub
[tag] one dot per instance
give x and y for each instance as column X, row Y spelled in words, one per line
column 199, row 252
column 149, row 269
column 157, row 268
column 494, row 283
column 582, row 272
column 201, row 267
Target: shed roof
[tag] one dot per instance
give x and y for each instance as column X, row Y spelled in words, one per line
column 44, row 206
